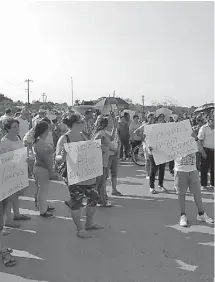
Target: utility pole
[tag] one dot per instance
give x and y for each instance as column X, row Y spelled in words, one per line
column 44, row 97
column 143, row 101
column 72, row 90
column 28, row 89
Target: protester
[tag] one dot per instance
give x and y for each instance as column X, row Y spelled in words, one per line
column 124, row 138
column 7, row 114
column 106, row 145
column 206, row 137
column 24, row 124
column 82, row 189
column 11, row 142
column 140, row 131
column 89, row 126
column 43, row 168
column 186, row 175
column 114, row 156
column 199, row 122
column 135, row 138
column 154, row 168
column 41, row 115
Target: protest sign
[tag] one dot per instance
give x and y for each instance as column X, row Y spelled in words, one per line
column 84, row 160
column 170, row 140
column 13, row 172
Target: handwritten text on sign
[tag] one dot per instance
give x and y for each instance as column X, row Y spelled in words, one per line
column 13, row 172
column 170, row 140
column 84, row 160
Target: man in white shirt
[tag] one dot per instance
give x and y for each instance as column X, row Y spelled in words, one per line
column 206, row 137
column 24, row 124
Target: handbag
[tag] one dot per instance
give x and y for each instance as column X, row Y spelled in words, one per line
column 62, row 168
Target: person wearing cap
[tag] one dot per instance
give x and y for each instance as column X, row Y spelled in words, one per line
column 89, row 125
column 7, row 114
column 41, row 115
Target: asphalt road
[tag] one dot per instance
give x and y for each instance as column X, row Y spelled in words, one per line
column 142, row 240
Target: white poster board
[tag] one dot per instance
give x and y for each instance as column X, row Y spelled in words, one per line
column 170, row 140
column 13, row 172
column 84, row 160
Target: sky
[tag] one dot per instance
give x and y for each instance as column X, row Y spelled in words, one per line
column 162, row 50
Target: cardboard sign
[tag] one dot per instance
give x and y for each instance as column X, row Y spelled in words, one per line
column 170, row 140
column 13, row 172
column 84, row 161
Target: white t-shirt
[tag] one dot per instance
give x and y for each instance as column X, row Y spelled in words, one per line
column 23, row 126
column 7, row 145
column 206, row 134
column 186, row 164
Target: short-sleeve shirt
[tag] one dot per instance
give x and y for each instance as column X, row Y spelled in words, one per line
column 186, row 164
column 206, row 134
column 7, row 145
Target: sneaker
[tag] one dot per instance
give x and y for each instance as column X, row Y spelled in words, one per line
column 162, row 188
column 203, row 188
column 183, row 221
column 152, row 191
column 205, row 218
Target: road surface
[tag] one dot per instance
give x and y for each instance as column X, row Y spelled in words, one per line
column 142, row 240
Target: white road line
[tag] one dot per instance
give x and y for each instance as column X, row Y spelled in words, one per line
column 15, row 278
column 24, row 230
column 211, row 244
column 24, row 254
column 204, row 229
column 185, row 266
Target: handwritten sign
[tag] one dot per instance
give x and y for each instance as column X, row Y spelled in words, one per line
column 170, row 140
column 84, row 161
column 13, row 172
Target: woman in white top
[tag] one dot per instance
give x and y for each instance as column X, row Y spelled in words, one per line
column 10, row 142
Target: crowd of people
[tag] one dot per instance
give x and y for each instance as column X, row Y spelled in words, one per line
column 45, row 134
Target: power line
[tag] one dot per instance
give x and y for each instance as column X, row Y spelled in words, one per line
column 15, row 84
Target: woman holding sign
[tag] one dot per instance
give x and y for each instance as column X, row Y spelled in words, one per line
column 80, row 190
column 10, row 142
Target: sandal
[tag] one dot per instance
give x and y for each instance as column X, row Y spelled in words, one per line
column 22, row 217
column 106, row 205
column 50, row 209
column 7, row 259
column 12, row 225
column 47, row 214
